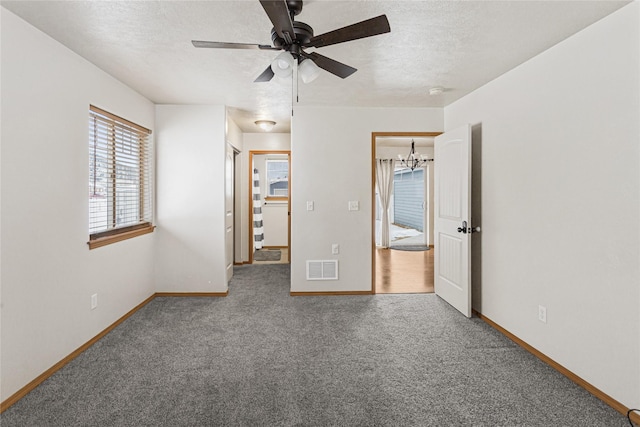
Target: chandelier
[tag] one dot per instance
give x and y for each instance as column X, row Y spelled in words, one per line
column 413, row 160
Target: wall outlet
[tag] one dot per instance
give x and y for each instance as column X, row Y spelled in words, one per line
column 335, row 249
column 94, row 301
column 542, row 313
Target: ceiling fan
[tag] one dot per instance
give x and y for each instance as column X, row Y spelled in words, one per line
column 293, row 36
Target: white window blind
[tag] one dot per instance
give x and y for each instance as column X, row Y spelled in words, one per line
column 119, row 174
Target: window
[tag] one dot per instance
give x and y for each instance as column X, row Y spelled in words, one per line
column 278, row 178
column 119, row 179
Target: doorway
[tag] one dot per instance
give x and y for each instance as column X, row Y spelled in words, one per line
column 231, row 157
column 407, row 265
column 408, row 209
column 269, row 207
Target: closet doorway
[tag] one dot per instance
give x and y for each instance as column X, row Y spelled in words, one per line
column 269, row 207
column 403, row 262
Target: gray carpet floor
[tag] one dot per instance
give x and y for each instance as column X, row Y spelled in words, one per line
column 262, row 358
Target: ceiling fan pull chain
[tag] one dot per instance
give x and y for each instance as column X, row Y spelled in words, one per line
column 292, row 92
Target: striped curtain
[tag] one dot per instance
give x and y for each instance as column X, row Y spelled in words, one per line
column 258, row 230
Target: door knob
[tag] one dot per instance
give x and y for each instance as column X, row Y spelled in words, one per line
column 463, row 228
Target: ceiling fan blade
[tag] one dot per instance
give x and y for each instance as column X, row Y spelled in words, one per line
column 368, row 28
column 266, row 75
column 225, row 45
column 330, row 65
column 278, row 13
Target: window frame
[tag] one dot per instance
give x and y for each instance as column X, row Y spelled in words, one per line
column 268, row 195
column 145, row 214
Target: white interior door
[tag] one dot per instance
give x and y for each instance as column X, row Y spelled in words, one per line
column 452, row 222
column 229, row 178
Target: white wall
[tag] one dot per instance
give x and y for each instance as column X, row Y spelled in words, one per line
column 48, row 272
column 276, row 224
column 256, row 142
column 190, row 244
column 233, row 133
column 331, row 165
column 559, row 150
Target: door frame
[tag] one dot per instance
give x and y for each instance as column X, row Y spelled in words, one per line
column 374, row 136
column 230, row 162
column 250, row 210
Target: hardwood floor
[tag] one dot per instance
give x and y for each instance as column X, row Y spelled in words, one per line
column 404, row 272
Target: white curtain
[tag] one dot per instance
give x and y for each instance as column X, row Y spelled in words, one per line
column 384, row 180
column 258, row 229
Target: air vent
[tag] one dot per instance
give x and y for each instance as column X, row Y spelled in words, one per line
column 322, row 270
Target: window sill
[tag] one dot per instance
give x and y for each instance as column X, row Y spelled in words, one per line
column 107, row 240
column 276, row 199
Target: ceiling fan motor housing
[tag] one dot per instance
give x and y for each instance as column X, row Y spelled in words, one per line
column 303, row 33
column 294, row 6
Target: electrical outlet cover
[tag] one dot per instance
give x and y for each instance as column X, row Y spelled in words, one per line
column 542, row 314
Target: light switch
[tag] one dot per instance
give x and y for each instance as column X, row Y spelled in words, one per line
column 309, row 205
column 354, row 205
column 335, row 249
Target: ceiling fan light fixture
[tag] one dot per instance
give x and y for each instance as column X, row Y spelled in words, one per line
column 282, row 66
column 265, row 125
column 308, row 70
column 293, row 37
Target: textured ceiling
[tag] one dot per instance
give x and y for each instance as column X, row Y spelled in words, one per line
column 458, row 45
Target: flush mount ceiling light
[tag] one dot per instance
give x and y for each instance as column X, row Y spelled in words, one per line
column 437, row 90
column 265, row 125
